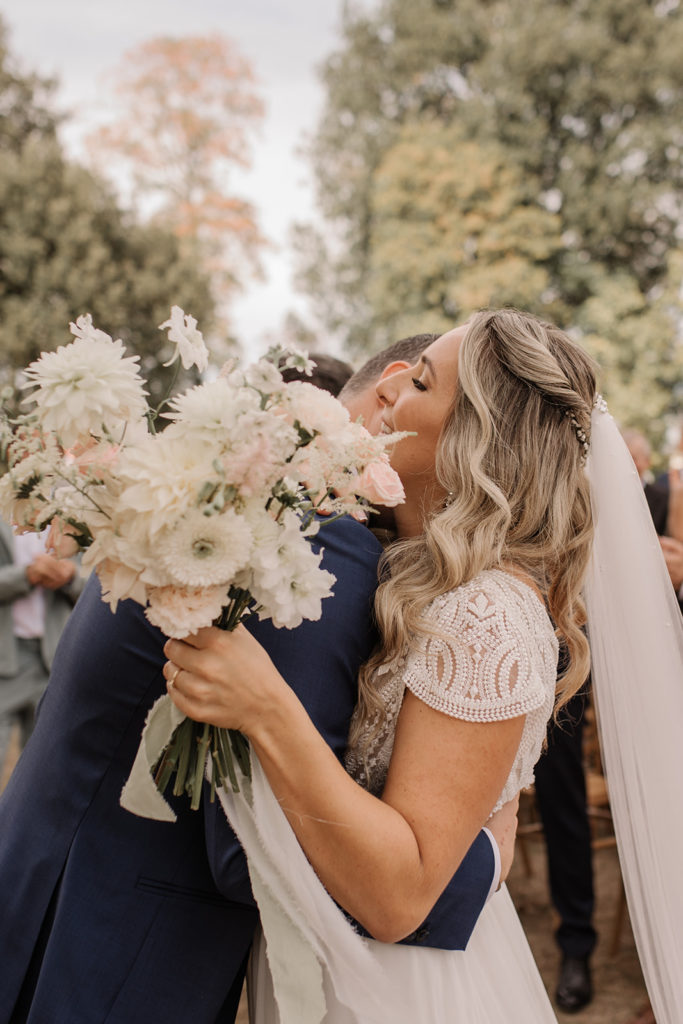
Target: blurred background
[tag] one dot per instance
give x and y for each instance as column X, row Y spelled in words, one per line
column 344, row 174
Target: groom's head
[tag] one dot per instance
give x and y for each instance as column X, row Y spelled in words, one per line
column 359, row 394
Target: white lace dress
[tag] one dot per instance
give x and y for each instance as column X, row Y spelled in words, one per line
column 493, row 656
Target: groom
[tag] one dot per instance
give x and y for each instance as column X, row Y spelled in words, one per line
column 110, row 917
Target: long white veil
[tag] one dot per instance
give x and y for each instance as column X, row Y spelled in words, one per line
column 636, row 636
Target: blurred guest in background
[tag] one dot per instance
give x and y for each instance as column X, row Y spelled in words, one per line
column 37, row 593
column 665, row 501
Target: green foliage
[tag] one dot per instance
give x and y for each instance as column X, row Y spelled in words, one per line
column 455, row 228
column 66, row 248
column 568, row 111
column 638, row 346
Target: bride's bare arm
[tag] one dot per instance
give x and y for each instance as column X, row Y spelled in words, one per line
column 386, row 861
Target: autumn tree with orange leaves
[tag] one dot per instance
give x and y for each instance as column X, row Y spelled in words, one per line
column 187, row 111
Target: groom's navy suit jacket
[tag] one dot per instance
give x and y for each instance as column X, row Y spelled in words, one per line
column 107, row 917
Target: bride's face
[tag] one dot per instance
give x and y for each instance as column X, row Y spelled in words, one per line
column 418, row 399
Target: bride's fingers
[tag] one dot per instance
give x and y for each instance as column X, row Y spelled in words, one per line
column 205, row 637
column 171, row 672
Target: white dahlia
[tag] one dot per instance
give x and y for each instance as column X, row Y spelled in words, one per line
column 87, row 388
column 164, row 476
column 218, row 408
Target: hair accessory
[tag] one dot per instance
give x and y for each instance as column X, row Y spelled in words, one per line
column 581, row 435
column 600, row 405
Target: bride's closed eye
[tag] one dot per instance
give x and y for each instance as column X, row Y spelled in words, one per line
column 418, row 384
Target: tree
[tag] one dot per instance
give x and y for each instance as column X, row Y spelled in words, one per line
column 25, row 111
column 637, row 342
column 583, row 99
column 451, row 236
column 188, row 108
column 66, row 249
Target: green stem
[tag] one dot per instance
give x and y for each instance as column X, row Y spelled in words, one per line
column 202, row 750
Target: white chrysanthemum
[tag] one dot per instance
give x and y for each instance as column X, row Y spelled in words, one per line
column 204, row 551
column 179, row 611
column 87, row 388
column 189, row 342
column 316, row 410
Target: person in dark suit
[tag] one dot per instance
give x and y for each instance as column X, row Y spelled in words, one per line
column 560, row 786
column 110, row 917
column 107, row 916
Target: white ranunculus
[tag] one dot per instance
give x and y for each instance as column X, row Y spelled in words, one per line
column 205, row 551
column 87, row 388
column 189, row 342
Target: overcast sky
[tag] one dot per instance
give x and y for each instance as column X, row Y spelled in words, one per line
column 285, row 40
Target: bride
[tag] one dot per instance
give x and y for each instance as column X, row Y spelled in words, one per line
column 495, row 542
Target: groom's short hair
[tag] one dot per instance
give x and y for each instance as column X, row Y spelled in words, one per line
column 406, row 350
column 329, row 374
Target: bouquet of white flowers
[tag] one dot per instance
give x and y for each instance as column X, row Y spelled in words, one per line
column 203, row 522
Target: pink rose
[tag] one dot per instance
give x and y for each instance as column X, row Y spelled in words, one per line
column 380, row 484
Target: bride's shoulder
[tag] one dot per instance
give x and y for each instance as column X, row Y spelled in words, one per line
column 486, row 593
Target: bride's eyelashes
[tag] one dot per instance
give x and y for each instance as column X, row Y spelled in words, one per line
column 418, row 384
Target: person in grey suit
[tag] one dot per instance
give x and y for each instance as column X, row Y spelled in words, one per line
column 37, row 593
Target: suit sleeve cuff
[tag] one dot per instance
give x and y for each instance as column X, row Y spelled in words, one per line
column 495, row 882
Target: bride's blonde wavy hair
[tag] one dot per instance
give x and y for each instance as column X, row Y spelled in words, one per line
column 511, row 456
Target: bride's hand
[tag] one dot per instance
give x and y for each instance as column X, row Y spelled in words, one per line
column 503, row 825
column 223, row 678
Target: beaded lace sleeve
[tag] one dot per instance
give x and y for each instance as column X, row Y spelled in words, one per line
column 488, row 660
column 492, row 655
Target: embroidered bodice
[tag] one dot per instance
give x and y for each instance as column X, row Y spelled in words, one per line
column 493, row 656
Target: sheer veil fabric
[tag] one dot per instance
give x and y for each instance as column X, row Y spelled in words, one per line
column 636, row 638
column 313, row 967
